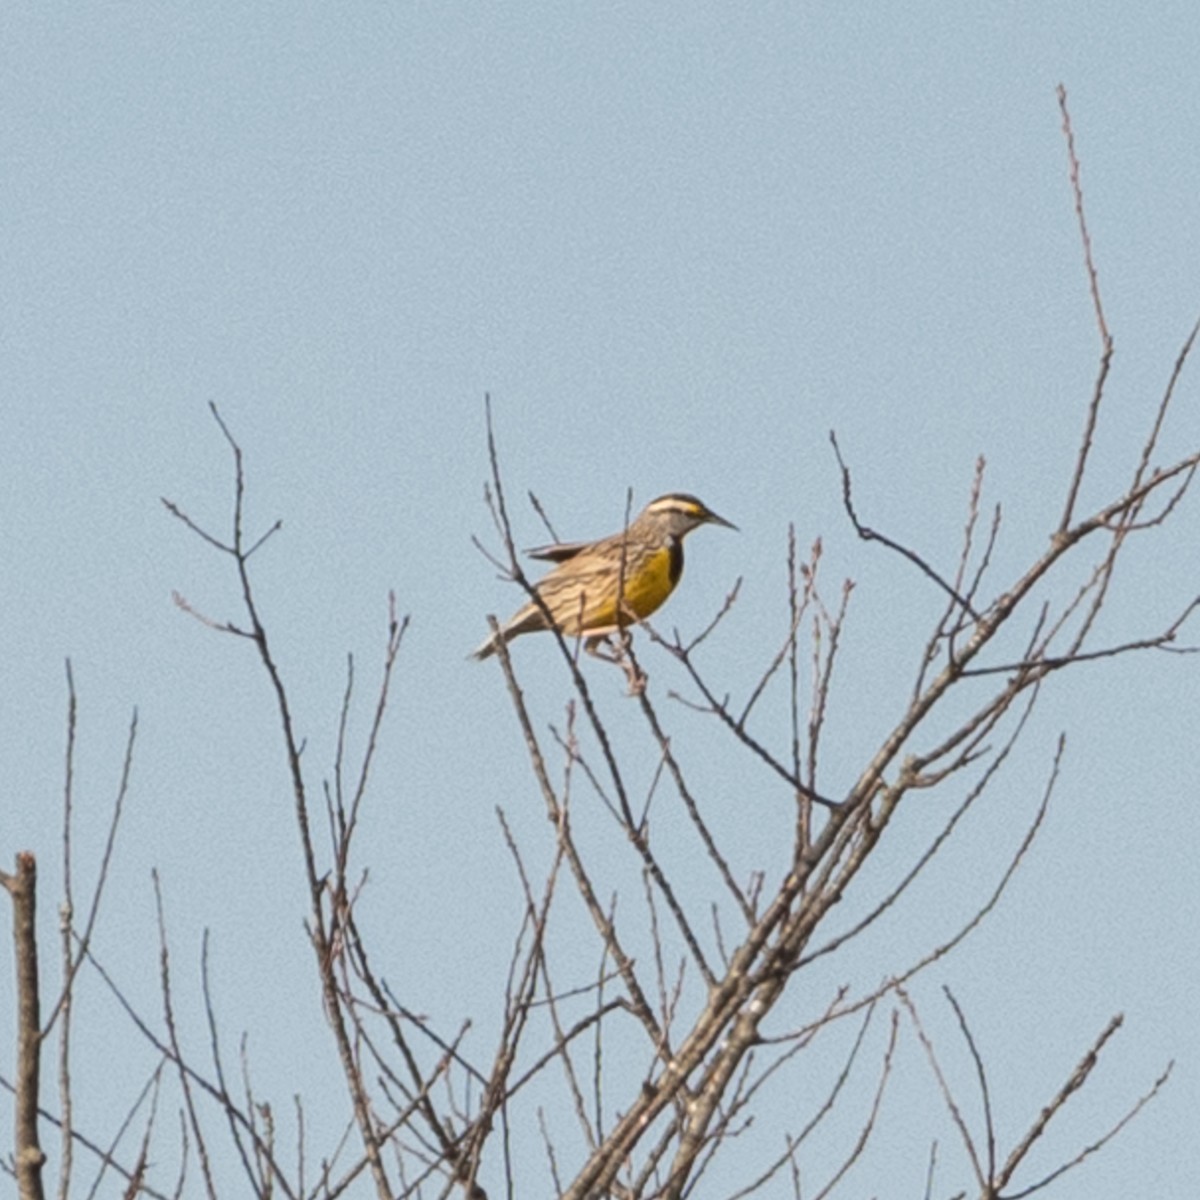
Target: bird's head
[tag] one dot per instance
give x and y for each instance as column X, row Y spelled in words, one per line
column 678, row 513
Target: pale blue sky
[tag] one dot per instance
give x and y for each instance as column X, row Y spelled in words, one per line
column 676, row 244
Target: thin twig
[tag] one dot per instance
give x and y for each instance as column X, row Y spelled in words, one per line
column 1075, row 1081
column 872, row 535
column 1102, row 325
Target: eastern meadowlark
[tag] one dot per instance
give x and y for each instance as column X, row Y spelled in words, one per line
column 640, row 566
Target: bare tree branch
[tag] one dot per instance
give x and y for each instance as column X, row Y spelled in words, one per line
column 29, row 1157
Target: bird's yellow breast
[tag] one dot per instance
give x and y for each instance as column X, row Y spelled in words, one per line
column 646, row 589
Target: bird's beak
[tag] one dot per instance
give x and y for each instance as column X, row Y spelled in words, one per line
column 713, row 519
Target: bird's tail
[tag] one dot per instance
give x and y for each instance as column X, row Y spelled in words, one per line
column 487, row 649
column 525, row 621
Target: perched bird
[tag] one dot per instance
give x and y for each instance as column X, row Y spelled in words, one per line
column 641, row 565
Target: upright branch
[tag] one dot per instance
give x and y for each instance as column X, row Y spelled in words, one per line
column 76, row 944
column 28, row 1157
column 1106, row 342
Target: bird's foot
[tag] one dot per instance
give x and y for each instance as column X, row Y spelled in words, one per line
column 615, row 648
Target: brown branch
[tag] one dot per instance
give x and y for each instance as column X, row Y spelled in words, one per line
column 66, row 917
column 720, row 710
column 29, row 1157
column 1101, row 1141
column 137, row 1178
column 796, row 607
column 956, row 1116
column 951, row 623
column 346, row 817
column 1046, row 663
column 872, row 535
column 1165, row 404
column 214, row 1042
column 818, row 709
column 1075, row 1081
column 84, row 940
column 541, row 512
column 1105, row 339
column 201, row 533
column 989, row 1125
column 693, row 810
column 724, row 611
column 1085, row 238
column 551, row 1157
column 72, row 957
column 193, row 1118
